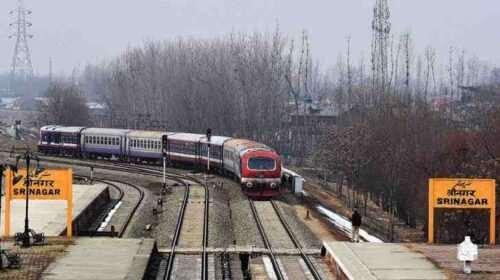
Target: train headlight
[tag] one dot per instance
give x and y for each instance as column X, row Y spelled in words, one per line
column 273, row 185
column 249, row 184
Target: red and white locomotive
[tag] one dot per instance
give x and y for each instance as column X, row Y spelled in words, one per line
column 256, row 166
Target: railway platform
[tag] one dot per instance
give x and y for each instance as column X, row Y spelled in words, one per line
column 49, row 216
column 103, row 258
column 378, row 261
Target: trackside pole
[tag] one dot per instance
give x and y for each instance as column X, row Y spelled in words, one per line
column 164, row 170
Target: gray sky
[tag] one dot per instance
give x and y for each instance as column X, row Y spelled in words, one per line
column 76, row 32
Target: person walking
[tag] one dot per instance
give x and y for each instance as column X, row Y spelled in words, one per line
column 355, row 224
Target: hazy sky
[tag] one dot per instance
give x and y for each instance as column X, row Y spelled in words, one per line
column 76, row 32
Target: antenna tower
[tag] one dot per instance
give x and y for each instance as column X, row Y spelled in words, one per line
column 381, row 32
column 21, row 67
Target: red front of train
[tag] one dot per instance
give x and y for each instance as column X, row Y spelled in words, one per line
column 257, row 167
column 261, row 173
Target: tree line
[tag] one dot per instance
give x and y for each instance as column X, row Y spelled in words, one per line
column 401, row 115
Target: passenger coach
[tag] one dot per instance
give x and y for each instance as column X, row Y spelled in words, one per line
column 254, row 165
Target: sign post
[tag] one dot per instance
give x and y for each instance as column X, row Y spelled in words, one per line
column 462, row 194
column 51, row 184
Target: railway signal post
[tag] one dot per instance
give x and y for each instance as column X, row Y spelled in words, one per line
column 164, row 153
column 209, row 135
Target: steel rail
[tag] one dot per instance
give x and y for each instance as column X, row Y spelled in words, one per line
column 136, row 206
column 296, row 242
column 204, row 263
column 178, row 227
column 267, row 244
column 121, row 194
column 114, row 203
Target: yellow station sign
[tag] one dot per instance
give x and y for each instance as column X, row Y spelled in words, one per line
column 464, row 194
column 50, row 184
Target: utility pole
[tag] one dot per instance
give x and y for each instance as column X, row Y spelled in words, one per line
column 21, row 59
column 2, row 169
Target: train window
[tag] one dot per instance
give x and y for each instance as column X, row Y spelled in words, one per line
column 261, row 163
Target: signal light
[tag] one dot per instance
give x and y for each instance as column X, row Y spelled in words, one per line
column 209, row 134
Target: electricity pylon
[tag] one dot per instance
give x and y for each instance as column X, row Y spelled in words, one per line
column 21, row 67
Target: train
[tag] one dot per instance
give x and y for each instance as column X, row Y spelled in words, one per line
column 254, row 165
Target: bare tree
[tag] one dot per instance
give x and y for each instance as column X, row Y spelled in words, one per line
column 63, row 104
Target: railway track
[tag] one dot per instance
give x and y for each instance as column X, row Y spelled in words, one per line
column 274, row 230
column 187, row 234
column 276, row 233
column 129, row 204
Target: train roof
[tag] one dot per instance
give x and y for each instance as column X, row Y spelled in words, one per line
column 146, row 134
column 49, row 127
column 215, row 140
column 202, row 138
column 63, row 129
column 241, row 145
column 190, row 137
column 105, row 131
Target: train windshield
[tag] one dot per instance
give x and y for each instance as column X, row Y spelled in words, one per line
column 261, row 163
